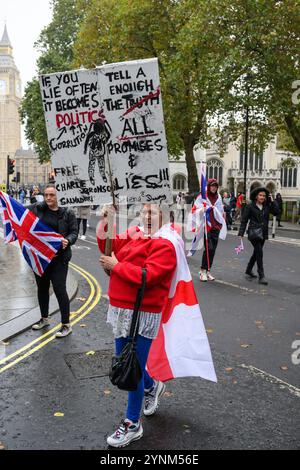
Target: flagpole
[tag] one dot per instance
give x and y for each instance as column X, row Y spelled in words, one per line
column 203, row 168
column 111, row 219
column 206, row 239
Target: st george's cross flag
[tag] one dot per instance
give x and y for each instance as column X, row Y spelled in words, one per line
column 181, row 348
column 39, row 243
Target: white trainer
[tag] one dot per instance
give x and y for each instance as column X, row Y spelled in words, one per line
column 203, row 276
column 126, row 433
column 152, row 398
column 64, row 331
column 42, row 323
column 210, row 277
column 83, row 237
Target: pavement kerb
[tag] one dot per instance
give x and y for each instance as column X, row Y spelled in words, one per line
column 25, row 321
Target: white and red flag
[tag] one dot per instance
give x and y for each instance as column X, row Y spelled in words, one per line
column 181, row 348
column 199, row 219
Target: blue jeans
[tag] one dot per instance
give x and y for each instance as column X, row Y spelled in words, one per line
column 135, row 399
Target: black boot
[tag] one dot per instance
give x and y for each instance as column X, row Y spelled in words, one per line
column 262, row 280
column 250, row 275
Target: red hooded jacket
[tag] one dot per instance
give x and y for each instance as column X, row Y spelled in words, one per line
column 213, row 199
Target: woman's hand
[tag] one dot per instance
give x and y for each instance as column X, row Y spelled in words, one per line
column 108, row 210
column 108, row 262
column 65, row 243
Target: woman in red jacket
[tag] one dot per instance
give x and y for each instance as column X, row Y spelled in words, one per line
column 133, row 250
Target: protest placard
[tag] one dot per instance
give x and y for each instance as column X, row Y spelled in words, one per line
column 106, row 130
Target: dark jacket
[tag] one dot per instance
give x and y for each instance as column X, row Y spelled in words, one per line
column 67, row 225
column 256, row 217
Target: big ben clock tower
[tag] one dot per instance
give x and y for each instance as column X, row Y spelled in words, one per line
column 10, row 99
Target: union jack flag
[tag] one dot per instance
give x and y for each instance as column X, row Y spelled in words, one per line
column 39, row 244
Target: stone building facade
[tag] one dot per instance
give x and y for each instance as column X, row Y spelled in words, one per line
column 264, row 169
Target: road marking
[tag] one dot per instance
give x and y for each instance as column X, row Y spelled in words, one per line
column 285, row 240
column 45, row 335
column 95, row 288
column 271, row 378
column 230, row 284
column 88, row 241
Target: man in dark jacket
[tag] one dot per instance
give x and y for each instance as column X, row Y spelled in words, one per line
column 62, row 221
column 257, row 214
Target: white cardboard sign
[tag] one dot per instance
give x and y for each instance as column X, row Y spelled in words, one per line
column 103, row 122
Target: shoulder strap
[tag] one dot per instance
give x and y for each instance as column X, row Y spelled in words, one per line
column 136, row 312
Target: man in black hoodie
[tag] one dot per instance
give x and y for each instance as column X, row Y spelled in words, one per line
column 62, row 221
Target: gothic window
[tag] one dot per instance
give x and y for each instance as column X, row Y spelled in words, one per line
column 179, row 183
column 215, row 170
column 255, row 158
column 289, row 177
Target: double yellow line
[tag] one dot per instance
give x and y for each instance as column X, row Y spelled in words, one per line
column 40, row 342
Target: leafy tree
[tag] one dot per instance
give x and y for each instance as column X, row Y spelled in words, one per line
column 265, row 45
column 195, row 74
column 217, row 58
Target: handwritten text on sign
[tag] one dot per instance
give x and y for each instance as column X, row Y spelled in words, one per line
column 115, row 111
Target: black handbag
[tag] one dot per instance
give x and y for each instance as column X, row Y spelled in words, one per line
column 126, row 372
column 255, row 234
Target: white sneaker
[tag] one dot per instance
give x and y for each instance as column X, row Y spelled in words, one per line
column 64, row 331
column 203, row 276
column 127, row 432
column 83, row 237
column 42, row 323
column 152, row 397
column 210, row 277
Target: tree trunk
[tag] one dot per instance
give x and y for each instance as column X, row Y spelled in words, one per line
column 193, row 179
column 294, row 130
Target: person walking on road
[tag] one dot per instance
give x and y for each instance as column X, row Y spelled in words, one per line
column 228, row 210
column 211, row 238
column 257, row 214
column 180, row 203
column 136, row 250
column 280, row 208
column 62, row 221
column 83, row 213
column 22, row 195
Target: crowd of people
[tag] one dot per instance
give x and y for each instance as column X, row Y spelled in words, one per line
column 27, row 195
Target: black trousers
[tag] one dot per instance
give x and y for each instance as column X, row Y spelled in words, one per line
column 84, row 225
column 56, row 273
column 257, row 257
column 213, row 239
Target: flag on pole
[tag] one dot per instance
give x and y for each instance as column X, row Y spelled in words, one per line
column 181, row 348
column 203, row 183
column 39, row 243
column 199, row 221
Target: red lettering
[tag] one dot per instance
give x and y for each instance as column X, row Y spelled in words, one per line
column 75, row 118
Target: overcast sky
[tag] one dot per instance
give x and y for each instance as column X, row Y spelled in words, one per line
column 24, row 19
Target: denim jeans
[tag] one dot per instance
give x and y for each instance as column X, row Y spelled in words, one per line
column 135, row 399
